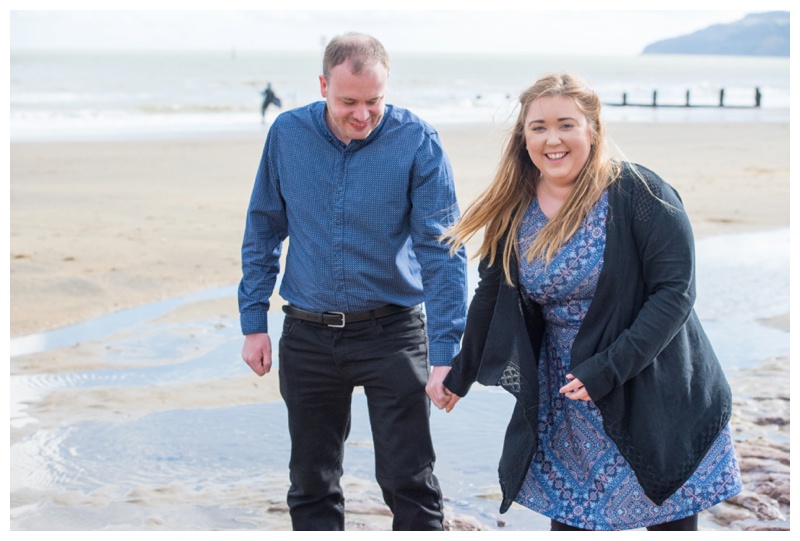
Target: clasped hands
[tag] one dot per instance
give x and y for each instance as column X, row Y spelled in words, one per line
column 440, row 395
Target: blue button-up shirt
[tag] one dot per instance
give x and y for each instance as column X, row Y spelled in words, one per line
column 363, row 222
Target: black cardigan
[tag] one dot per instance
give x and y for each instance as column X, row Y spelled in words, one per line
column 640, row 351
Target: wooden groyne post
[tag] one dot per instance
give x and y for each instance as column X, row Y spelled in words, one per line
column 687, row 103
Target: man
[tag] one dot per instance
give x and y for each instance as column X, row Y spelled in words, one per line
column 269, row 98
column 363, row 190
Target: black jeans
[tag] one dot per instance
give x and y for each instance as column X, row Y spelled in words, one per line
column 686, row 524
column 319, row 367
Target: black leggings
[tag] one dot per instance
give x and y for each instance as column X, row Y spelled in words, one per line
column 686, row 524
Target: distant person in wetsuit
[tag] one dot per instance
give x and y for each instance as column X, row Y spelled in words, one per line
column 269, row 97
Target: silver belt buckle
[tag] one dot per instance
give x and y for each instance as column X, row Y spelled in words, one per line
column 337, row 326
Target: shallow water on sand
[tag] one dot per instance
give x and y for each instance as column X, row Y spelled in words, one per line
column 222, row 467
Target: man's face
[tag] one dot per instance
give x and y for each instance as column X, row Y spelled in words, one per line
column 355, row 103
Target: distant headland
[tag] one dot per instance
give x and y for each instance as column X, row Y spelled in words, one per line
column 757, row 34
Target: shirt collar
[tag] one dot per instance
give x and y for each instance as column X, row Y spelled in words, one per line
column 318, row 113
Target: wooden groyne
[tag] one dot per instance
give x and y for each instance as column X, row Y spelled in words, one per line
column 687, row 102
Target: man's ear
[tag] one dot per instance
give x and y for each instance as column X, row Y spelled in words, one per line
column 323, row 86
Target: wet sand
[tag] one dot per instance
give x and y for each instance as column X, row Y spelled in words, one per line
column 99, row 227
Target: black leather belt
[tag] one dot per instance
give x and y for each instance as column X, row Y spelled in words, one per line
column 340, row 319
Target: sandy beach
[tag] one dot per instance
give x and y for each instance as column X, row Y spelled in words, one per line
column 100, row 227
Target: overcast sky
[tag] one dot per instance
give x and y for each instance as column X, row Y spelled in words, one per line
column 607, row 32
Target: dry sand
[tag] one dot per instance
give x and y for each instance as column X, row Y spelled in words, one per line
column 101, row 226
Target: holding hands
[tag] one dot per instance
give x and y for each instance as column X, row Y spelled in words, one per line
column 440, row 395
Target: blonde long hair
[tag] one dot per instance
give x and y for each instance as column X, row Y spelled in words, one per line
column 501, row 207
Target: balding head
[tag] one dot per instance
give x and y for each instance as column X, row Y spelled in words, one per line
column 363, row 52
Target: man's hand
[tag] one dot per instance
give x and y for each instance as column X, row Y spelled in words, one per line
column 439, row 394
column 257, row 352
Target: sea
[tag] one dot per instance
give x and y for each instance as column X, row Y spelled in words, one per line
column 65, row 95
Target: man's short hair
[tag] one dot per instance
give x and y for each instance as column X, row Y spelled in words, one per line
column 362, row 50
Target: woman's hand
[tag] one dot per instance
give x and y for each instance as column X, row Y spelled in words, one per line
column 574, row 390
column 454, row 398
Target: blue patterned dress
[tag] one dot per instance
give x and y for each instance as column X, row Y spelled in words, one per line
column 577, row 475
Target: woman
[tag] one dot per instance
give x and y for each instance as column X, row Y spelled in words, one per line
column 584, row 312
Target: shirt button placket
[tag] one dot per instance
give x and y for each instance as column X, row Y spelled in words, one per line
column 338, row 234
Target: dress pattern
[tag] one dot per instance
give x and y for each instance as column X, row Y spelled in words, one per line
column 577, row 475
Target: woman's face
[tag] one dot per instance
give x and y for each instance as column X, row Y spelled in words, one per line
column 558, row 138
